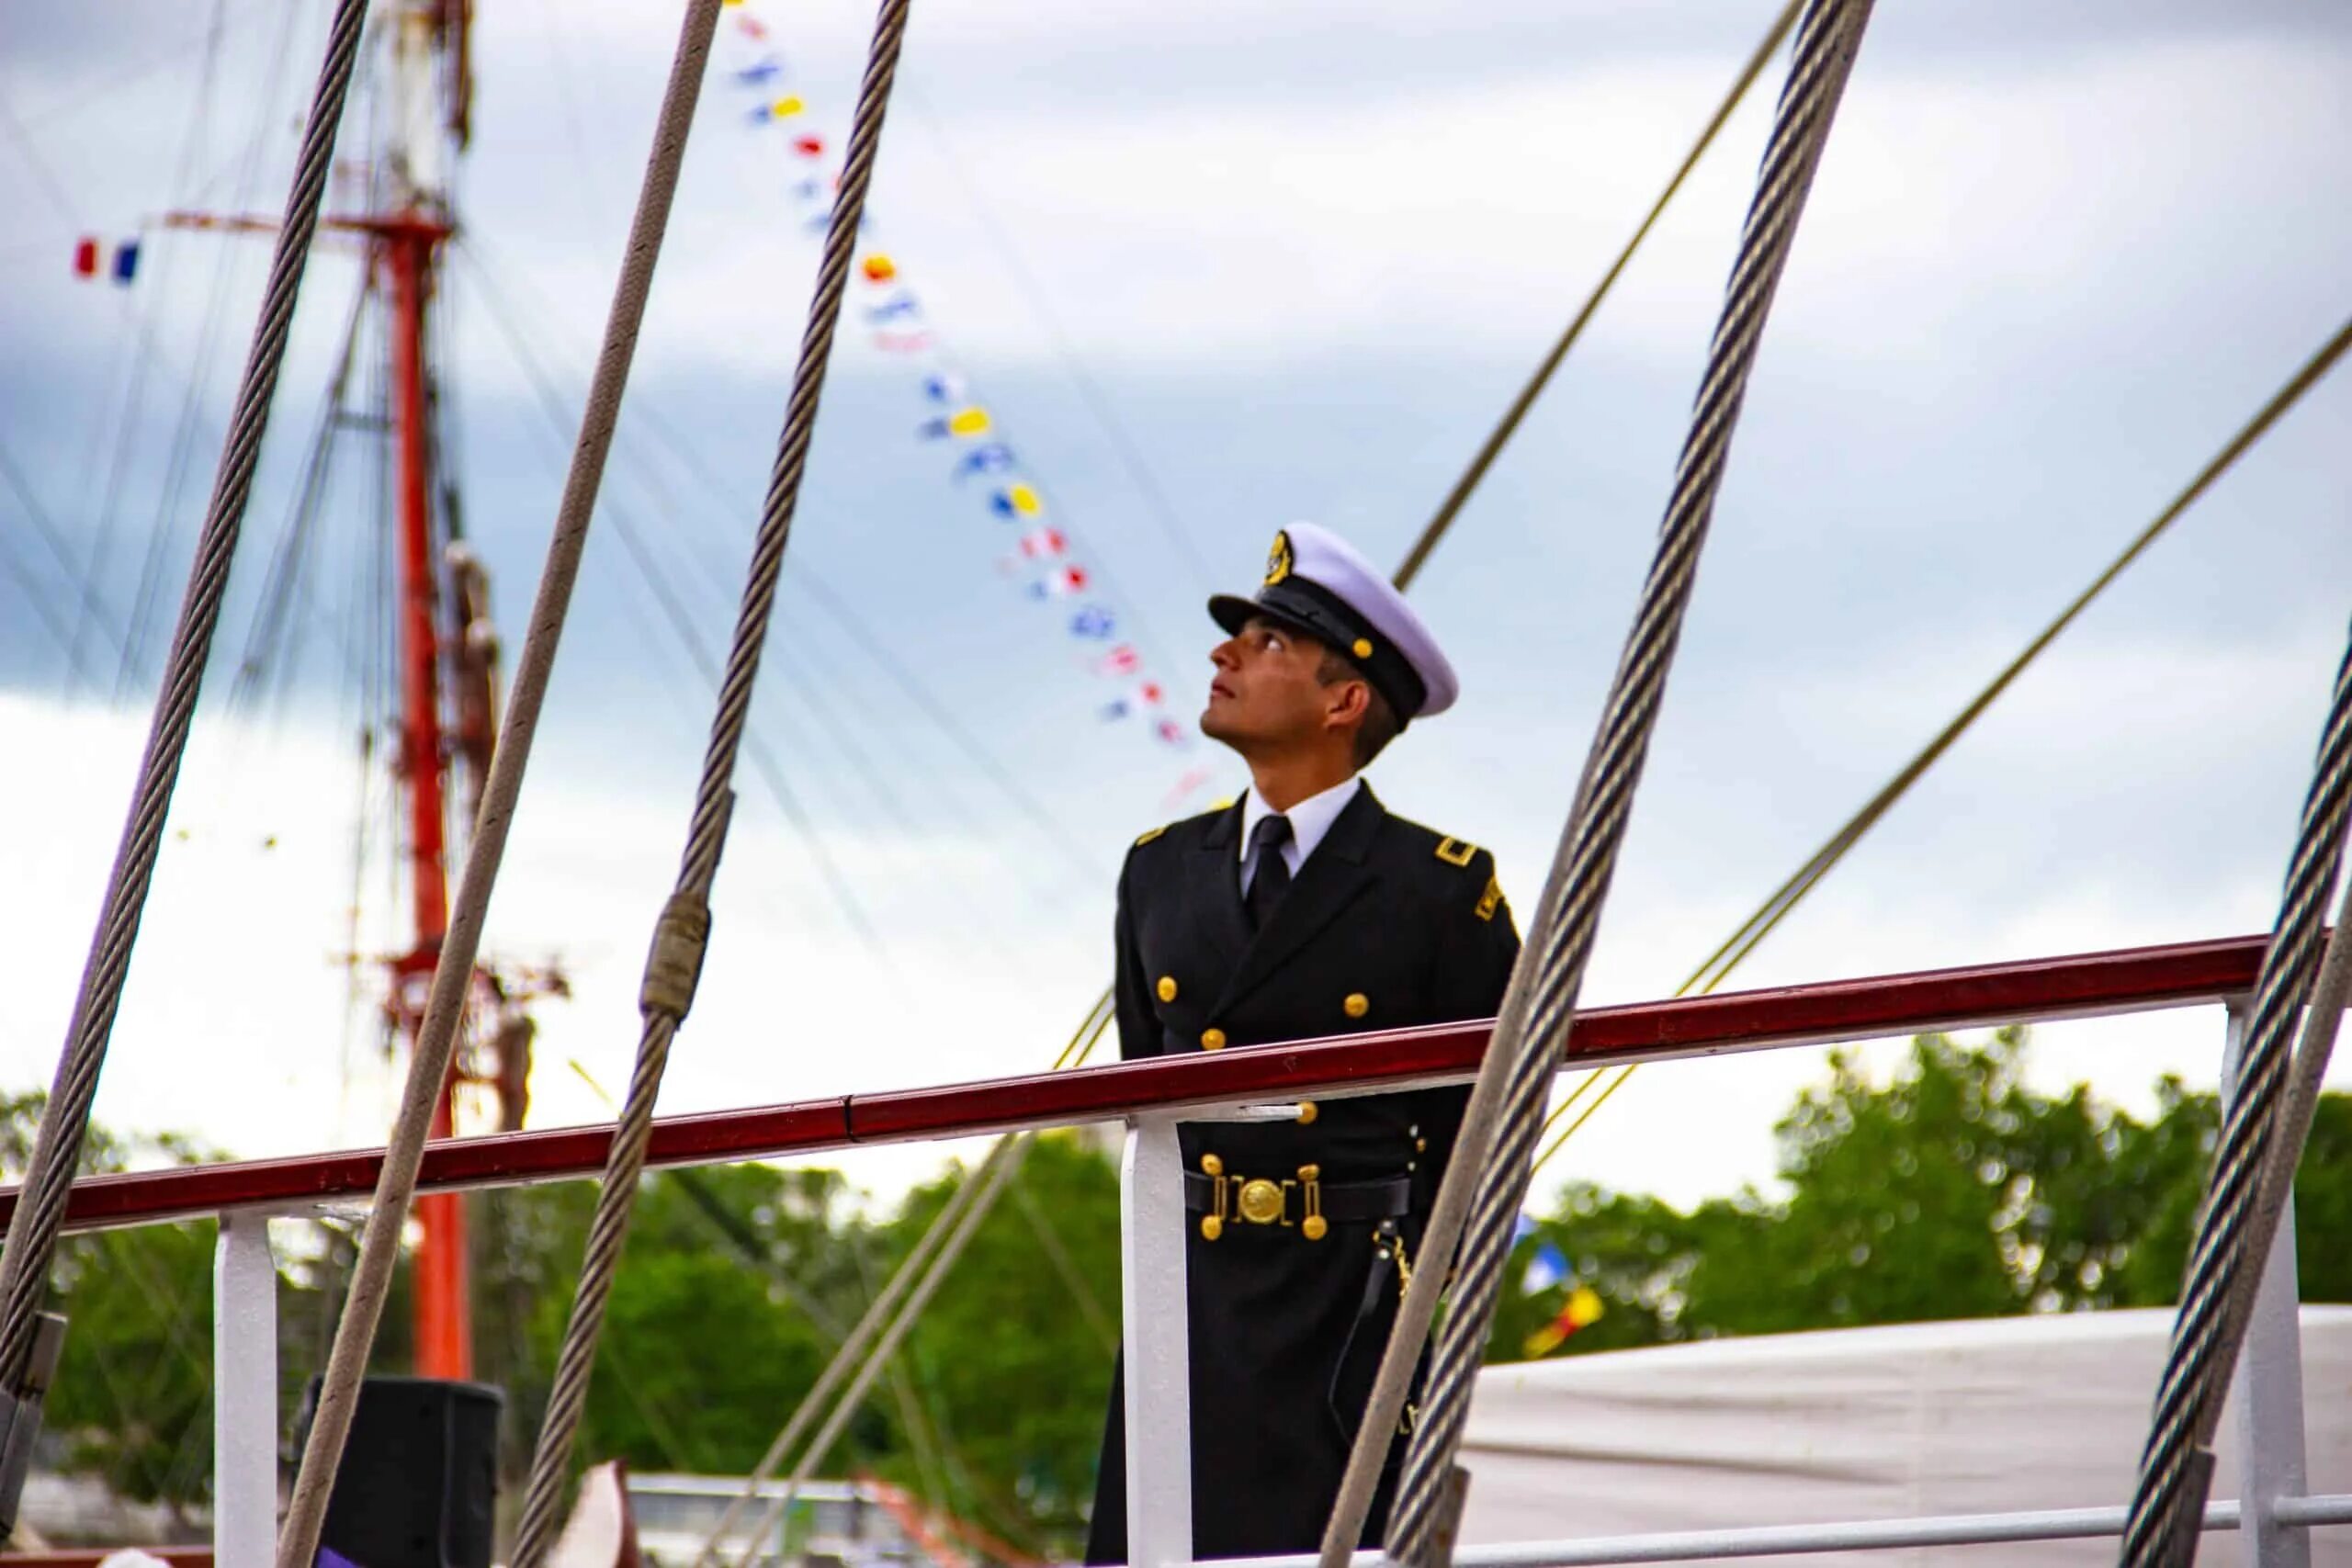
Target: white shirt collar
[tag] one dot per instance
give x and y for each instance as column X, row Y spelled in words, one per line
column 1309, row 820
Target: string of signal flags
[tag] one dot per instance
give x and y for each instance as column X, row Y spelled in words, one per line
column 1040, row 556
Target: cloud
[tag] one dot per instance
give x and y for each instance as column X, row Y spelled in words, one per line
column 1303, row 256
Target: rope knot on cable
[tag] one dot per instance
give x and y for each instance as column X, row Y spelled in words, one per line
column 674, row 967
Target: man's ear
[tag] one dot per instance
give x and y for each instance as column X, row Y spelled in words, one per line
column 1345, row 703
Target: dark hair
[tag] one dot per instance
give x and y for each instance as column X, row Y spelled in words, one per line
column 1380, row 724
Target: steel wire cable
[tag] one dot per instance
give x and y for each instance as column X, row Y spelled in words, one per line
column 32, row 1229
column 2175, row 1467
column 1489, row 1174
column 675, row 963
column 453, row 971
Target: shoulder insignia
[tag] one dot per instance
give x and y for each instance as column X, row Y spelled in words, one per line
column 1491, row 900
column 1453, row 852
column 1149, row 837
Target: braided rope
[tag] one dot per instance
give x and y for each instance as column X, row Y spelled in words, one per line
column 1541, row 1002
column 2204, row 1347
column 57, row 1148
column 437, row 1036
column 676, row 958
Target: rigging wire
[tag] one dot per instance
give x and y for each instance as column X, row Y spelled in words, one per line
column 153, row 298
column 687, row 628
column 85, row 591
column 43, row 175
column 182, row 460
column 282, row 583
column 36, row 596
column 1114, row 429
column 1767, row 917
column 1451, row 507
column 986, row 919
column 79, row 99
column 803, row 578
column 33, row 1226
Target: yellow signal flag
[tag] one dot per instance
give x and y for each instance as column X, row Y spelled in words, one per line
column 1584, row 1307
column 1025, row 501
column 973, row 422
column 786, row 108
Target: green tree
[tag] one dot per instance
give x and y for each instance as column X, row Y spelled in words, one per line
column 132, row 1398
column 1013, row 1360
column 1954, row 1192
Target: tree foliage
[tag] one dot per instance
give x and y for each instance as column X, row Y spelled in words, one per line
column 1956, row 1190
column 133, row 1399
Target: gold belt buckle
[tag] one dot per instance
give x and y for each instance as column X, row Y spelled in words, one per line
column 1261, row 1202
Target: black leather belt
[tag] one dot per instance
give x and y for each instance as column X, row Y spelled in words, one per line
column 1297, row 1201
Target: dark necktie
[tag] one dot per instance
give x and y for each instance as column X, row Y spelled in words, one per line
column 1271, row 879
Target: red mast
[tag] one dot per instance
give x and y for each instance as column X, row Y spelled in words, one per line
column 427, row 35
column 408, row 251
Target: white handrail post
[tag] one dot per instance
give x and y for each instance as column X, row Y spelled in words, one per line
column 2269, row 1384
column 245, row 1392
column 1158, row 1348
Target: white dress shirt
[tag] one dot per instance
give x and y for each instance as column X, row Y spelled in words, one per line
column 1309, row 820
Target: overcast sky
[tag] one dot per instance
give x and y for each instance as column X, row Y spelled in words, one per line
column 1213, row 269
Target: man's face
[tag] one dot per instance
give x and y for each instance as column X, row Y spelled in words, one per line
column 1266, row 693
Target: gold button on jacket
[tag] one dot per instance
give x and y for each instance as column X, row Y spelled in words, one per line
column 1212, row 1039
column 1357, row 1004
column 1166, row 988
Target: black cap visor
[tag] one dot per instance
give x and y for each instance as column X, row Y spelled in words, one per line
column 1309, row 607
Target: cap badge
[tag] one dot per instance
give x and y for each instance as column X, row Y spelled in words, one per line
column 1278, row 559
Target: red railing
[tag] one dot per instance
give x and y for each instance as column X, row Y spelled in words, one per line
column 2130, row 980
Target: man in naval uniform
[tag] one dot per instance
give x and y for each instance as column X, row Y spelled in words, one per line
column 1304, row 909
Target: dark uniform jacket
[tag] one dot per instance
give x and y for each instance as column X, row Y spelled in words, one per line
column 1386, row 925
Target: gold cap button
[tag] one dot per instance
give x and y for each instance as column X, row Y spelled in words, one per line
column 1306, row 1113
column 1212, row 1227
column 1166, row 988
column 1313, row 1227
column 1212, row 1039
column 1212, row 1165
column 1363, row 647
column 1357, row 1004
